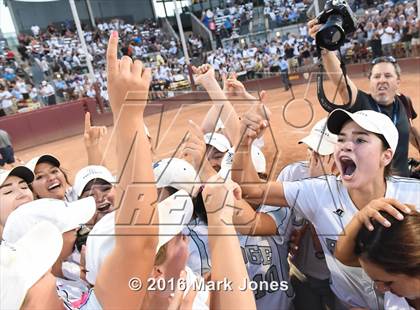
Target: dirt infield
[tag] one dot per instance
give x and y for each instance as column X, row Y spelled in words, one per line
column 291, row 120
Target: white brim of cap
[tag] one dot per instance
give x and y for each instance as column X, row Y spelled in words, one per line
column 65, row 216
column 101, row 173
column 339, row 117
column 322, row 147
column 35, row 254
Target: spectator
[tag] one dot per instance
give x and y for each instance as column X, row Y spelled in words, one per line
column 6, row 149
column 48, row 93
column 284, row 71
column 6, row 103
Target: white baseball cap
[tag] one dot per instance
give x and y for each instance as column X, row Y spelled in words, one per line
column 177, row 173
column 89, row 173
column 46, row 158
column 44, row 83
column 24, row 262
column 175, row 213
column 367, row 119
column 64, row 215
column 219, row 141
column 19, row 171
column 257, row 157
column 321, row 140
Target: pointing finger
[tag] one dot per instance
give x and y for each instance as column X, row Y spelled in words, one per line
column 111, row 54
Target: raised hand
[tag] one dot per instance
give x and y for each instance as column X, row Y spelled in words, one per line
column 254, row 122
column 204, row 75
column 236, row 89
column 125, row 76
column 313, row 27
column 93, row 134
column 194, row 149
column 232, row 87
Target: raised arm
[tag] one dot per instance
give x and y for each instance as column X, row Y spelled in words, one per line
column 253, row 122
column 219, row 196
column 222, row 108
column 93, row 140
column 332, row 67
column 136, row 239
column 249, row 222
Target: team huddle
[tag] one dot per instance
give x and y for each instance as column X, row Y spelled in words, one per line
column 210, row 227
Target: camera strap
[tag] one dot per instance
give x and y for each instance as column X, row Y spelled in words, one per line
column 323, row 100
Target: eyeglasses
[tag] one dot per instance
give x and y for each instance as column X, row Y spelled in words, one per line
column 378, row 60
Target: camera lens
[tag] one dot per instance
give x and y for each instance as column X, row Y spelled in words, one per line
column 331, row 36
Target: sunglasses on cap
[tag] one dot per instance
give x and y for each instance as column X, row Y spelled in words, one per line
column 378, row 60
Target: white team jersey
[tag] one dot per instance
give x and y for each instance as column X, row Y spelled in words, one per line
column 393, row 302
column 326, row 203
column 306, row 260
column 266, row 261
column 199, row 258
column 265, row 258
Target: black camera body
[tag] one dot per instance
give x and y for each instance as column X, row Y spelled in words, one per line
column 339, row 21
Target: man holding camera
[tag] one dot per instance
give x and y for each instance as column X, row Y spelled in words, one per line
column 384, row 77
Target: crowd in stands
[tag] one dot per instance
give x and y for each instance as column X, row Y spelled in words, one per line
column 231, row 21
column 284, row 12
column 52, row 66
column 54, row 59
column 236, row 18
column 387, row 29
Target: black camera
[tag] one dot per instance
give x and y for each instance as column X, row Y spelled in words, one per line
column 339, row 20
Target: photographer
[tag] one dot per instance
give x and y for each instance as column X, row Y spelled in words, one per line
column 384, row 78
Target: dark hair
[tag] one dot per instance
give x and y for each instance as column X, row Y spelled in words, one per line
column 396, row 249
column 199, row 207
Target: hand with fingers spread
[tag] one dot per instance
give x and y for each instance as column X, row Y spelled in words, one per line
column 125, row 76
column 389, row 205
column 254, row 122
column 204, row 75
column 345, row 247
column 93, row 134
